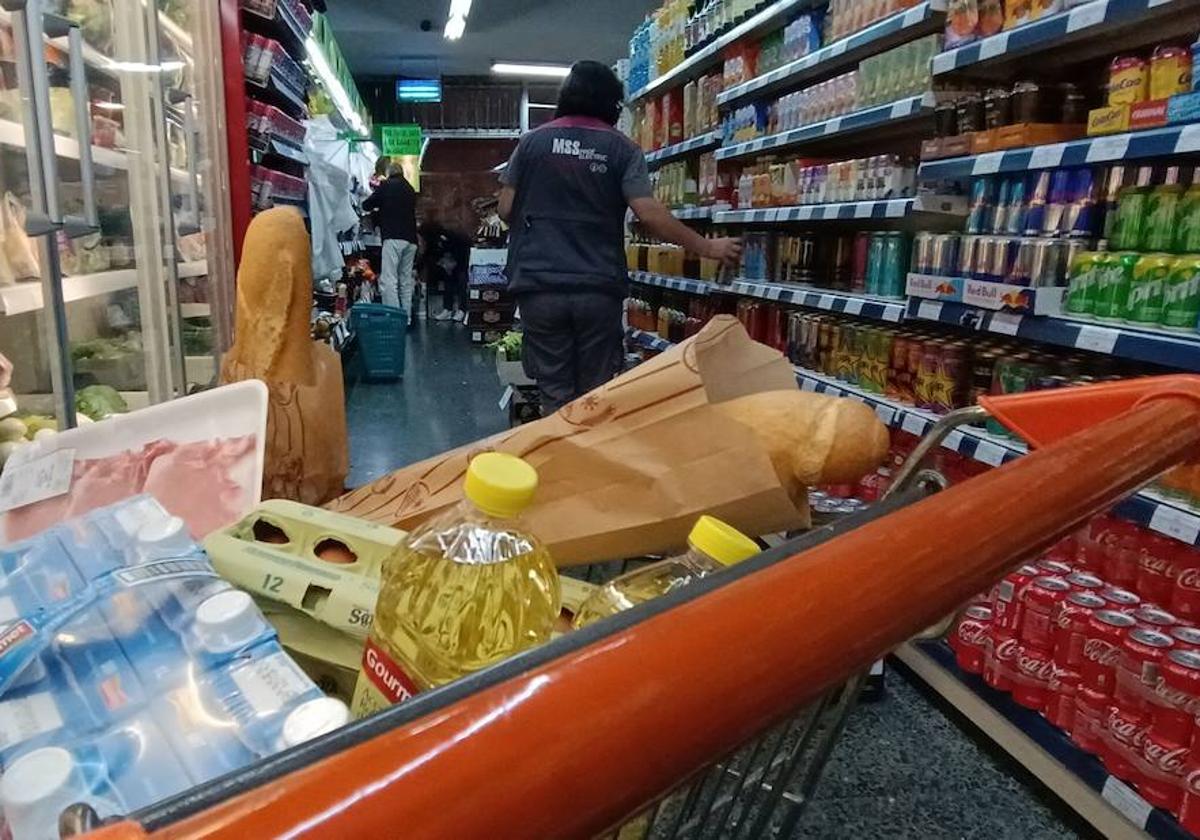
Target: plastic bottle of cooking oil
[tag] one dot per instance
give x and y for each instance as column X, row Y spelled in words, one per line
column 712, row 545
column 465, row 590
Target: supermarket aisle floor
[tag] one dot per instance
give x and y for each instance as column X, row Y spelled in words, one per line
column 902, row 768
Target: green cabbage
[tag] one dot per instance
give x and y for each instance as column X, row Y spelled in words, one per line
column 99, row 401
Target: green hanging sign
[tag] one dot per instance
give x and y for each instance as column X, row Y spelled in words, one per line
column 399, row 140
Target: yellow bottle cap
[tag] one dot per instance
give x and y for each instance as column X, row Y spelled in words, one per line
column 499, row 484
column 723, row 543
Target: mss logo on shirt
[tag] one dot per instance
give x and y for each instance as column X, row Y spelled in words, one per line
column 563, row 146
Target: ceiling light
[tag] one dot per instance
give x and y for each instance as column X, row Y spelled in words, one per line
column 455, row 27
column 508, row 68
column 336, row 92
column 108, row 106
column 460, row 8
column 542, row 105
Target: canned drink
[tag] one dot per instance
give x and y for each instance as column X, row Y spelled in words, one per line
column 1156, row 618
column 922, row 253
column 1185, row 594
column 1091, row 708
column 897, row 364
column 1160, row 770
column 1132, row 206
column 1162, row 212
column 1080, row 221
column 1145, row 303
column 1142, row 649
column 999, row 217
column 1021, row 263
column 1004, row 252
column 875, row 263
column 1014, row 222
column 968, row 255
column 1082, row 581
column 1031, row 679
column 1189, row 808
column 1054, row 219
column 1046, row 263
column 1039, row 197
column 858, row 269
column 929, row 375
column 1178, row 695
column 1103, row 636
column 1113, row 284
column 1081, row 291
column 1009, row 594
column 1060, row 697
column 1181, row 294
column 955, row 370
column 983, row 370
column 1187, row 230
column 884, row 340
column 1114, row 180
column 1070, row 627
column 916, row 352
column 1123, row 730
column 1000, row 658
column 982, row 205
column 1040, row 603
column 969, row 639
column 943, row 260
column 1186, row 637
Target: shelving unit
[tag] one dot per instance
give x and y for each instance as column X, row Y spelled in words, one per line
column 846, row 211
column 700, row 143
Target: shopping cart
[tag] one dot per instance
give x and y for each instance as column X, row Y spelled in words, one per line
column 711, row 711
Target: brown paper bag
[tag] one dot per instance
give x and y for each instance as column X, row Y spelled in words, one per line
column 306, row 453
column 626, row 469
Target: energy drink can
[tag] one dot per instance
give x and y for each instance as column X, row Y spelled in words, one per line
column 999, row 219
column 955, row 377
column 1054, row 220
column 1113, row 284
column 968, row 253
column 895, row 261
column 944, row 257
column 922, row 256
column 982, row 204
column 897, row 366
column 929, row 369
column 1002, row 257
column 1081, row 292
column 1014, row 220
column 875, row 259
column 1181, row 295
column 983, row 368
column 1081, row 214
column 1145, row 304
column 858, row 267
column 1046, row 263
column 1187, row 230
column 981, row 267
column 1021, row 263
column 1039, row 197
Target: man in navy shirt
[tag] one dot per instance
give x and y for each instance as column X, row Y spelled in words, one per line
column 565, row 193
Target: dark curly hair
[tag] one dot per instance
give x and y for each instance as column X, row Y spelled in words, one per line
column 591, row 90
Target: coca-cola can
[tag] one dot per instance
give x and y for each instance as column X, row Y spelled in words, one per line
column 1040, row 605
column 1177, row 696
column 1082, row 580
column 1054, row 568
column 1006, row 611
column 1142, row 649
column 1185, row 594
column 1160, row 771
column 1087, row 725
column 1148, row 615
column 1105, row 632
column 1189, row 808
column 1120, row 599
column 1119, row 565
column 1157, row 568
column 1060, row 697
column 1031, row 679
column 1186, row 637
column 1070, row 625
column 969, row 639
column 999, row 659
column 1122, row 735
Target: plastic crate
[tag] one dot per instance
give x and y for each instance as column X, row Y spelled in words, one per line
column 381, row 332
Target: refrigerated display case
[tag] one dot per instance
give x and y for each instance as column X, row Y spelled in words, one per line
column 117, row 268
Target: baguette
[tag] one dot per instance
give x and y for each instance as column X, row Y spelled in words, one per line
column 812, row 439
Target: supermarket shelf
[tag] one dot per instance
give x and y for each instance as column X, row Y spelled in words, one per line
column 701, row 143
column 647, row 340
column 865, row 306
column 892, row 208
column 1052, row 31
column 701, row 60
column 675, row 284
column 472, row 134
column 1173, row 349
column 288, row 150
column 1079, row 779
column 876, row 115
column 13, row 134
column 278, row 92
column 876, row 38
column 704, row 212
column 27, row 297
column 1155, row 142
column 283, row 27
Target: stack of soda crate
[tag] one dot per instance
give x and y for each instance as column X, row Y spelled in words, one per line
column 1100, row 636
column 491, row 308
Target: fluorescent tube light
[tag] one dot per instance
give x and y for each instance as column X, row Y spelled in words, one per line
column 508, row 68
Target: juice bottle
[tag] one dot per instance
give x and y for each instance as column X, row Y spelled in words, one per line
column 712, row 545
column 467, row 589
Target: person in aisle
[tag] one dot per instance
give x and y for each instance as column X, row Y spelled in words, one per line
column 445, row 254
column 393, row 206
column 564, row 194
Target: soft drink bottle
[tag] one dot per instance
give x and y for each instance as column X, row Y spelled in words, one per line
column 465, row 590
column 712, row 545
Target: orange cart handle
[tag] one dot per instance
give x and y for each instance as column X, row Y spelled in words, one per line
column 571, row 747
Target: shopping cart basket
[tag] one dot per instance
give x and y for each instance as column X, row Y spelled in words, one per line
column 708, row 712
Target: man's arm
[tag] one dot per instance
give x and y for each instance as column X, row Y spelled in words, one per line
column 657, row 219
column 504, row 206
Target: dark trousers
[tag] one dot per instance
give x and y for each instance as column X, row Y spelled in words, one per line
column 573, row 343
column 454, row 288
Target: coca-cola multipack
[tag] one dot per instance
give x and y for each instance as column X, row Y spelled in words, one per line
column 1099, row 636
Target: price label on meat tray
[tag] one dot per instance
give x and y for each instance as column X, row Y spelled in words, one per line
column 35, row 480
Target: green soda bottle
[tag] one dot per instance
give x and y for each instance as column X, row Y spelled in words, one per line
column 1162, row 210
column 1145, row 305
column 1181, row 295
column 1131, row 212
column 1081, row 294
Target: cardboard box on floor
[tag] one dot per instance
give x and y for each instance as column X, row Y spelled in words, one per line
column 626, row 470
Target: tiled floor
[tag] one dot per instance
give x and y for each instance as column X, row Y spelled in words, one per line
column 902, row 769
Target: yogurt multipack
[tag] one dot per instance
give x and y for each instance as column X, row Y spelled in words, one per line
column 130, row 671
